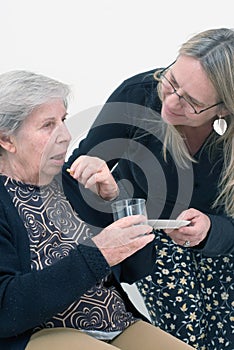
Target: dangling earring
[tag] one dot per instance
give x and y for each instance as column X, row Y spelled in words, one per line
column 220, row 125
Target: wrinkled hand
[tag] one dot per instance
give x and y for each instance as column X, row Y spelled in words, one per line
column 195, row 232
column 94, row 174
column 123, row 238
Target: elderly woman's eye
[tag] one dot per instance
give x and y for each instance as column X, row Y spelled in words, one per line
column 48, row 124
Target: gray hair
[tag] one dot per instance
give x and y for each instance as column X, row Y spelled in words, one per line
column 21, row 91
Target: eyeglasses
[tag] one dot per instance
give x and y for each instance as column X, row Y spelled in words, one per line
column 188, row 106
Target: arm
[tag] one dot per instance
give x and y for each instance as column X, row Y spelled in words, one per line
column 220, row 240
column 137, row 266
column 27, row 297
column 114, row 121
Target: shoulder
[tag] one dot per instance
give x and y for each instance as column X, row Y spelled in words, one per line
column 139, row 89
column 142, row 78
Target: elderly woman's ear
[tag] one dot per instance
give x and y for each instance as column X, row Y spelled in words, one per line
column 6, row 143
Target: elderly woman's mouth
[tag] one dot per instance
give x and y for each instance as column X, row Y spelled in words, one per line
column 59, row 156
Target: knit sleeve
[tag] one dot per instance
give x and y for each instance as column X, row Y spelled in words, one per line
column 29, row 297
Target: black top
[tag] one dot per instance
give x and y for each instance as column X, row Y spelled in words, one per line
column 29, row 297
column 129, row 131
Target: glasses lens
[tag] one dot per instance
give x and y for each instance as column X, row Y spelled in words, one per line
column 168, row 86
column 188, row 108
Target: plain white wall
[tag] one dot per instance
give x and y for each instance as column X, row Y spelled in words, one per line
column 93, row 45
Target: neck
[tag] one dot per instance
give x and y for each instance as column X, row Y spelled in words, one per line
column 194, row 138
column 24, row 175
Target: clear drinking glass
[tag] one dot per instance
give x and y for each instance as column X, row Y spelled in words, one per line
column 127, row 207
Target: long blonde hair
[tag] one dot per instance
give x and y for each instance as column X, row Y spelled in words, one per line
column 214, row 49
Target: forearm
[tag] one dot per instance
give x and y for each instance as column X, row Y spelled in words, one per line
column 137, row 266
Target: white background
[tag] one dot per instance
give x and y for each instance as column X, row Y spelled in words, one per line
column 95, row 44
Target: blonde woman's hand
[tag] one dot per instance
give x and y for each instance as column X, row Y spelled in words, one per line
column 195, row 232
column 123, row 238
column 93, row 173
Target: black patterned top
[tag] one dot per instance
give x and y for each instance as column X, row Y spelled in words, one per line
column 54, row 228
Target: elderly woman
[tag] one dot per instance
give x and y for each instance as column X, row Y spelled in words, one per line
column 60, row 278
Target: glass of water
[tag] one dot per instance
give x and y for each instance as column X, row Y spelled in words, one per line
column 127, row 207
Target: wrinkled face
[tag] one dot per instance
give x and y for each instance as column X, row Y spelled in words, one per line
column 40, row 144
column 192, row 91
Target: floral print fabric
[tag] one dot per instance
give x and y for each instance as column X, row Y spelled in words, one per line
column 191, row 296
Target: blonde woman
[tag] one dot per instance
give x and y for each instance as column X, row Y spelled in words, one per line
column 171, row 131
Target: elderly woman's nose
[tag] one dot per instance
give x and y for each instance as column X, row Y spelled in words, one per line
column 62, row 133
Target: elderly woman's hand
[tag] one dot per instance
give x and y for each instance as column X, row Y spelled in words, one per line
column 195, row 232
column 94, row 174
column 123, row 238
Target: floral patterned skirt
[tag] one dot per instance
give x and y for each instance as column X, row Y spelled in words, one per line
column 191, row 296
